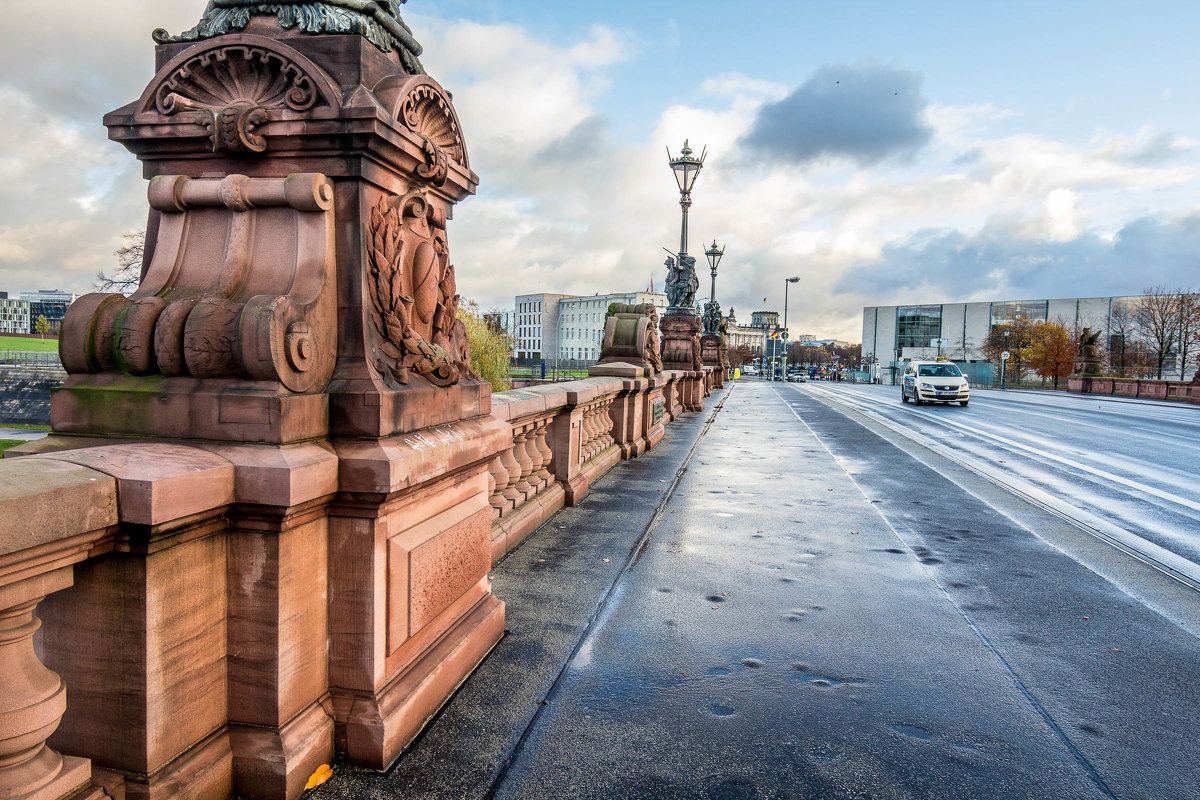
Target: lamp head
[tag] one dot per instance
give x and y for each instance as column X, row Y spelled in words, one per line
column 714, row 254
column 793, row 280
column 686, row 167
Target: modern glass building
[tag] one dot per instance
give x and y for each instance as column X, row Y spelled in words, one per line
column 900, row 333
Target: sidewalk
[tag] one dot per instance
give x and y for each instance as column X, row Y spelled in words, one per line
column 775, row 637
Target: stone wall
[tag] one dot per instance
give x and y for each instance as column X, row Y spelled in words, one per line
column 25, row 393
column 200, row 602
column 1134, row 387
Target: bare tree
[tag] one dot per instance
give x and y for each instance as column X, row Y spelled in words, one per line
column 1158, row 322
column 128, row 272
column 1122, row 338
column 1189, row 331
column 1016, row 338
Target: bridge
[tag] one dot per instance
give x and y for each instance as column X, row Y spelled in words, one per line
column 283, row 539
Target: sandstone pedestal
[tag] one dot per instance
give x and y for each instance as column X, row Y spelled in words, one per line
column 681, row 341
column 287, row 409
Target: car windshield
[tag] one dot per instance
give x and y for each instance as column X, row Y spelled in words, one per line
column 939, row 371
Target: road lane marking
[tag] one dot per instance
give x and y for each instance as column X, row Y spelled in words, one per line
column 1037, row 704
column 1170, row 564
column 1040, row 453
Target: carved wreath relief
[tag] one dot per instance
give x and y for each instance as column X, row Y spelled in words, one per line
column 414, row 293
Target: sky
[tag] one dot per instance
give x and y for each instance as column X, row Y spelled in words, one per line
column 882, row 152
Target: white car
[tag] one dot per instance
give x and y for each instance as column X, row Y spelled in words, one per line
column 934, row 382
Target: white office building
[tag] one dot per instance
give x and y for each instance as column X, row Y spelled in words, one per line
column 536, row 324
column 48, row 296
column 902, row 333
column 582, row 321
column 14, row 315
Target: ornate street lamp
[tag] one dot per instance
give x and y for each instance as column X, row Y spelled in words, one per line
column 712, row 311
column 682, row 283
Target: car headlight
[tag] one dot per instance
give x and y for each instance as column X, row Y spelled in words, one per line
column 926, row 386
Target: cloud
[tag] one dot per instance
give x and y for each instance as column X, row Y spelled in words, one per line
column 569, row 204
column 950, row 264
column 865, row 113
column 1147, row 147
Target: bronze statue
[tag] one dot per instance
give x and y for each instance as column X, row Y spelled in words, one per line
column 377, row 20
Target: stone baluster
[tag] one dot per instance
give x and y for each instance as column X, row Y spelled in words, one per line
column 594, row 425
column 588, row 434
column 607, row 423
column 535, row 459
column 602, row 424
column 543, row 444
column 31, row 705
column 513, row 470
column 497, row 482
column 522, row 456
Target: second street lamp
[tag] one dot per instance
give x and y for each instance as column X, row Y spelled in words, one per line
column 786, row 283
column 712, row 311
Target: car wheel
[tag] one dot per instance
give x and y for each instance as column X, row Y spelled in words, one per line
column 903, row 395
column 963, row 403
column 917, row 398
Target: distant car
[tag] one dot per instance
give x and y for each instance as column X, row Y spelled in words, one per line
column 934, row 382
column 797, row 377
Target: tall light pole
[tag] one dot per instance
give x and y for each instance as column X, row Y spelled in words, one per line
column 686, row 168
column 786, row 283
column 712, row 311
column 1003, row 360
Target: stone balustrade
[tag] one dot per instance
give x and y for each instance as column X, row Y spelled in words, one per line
column 564, row 436
column 203, row 604
column 1134, row 387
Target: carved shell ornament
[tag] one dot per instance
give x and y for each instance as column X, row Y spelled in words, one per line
column 237, row 86
column 413, row 293
column 237, row 74
column 426, row 111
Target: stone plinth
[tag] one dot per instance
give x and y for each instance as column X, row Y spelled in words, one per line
column 302, row 572
column 681, row 341
column 411, row 609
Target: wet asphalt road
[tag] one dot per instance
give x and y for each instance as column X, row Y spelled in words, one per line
column 1133, row 465
column 818, row 611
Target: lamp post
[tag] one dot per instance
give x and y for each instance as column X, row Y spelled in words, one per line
column 1003, row 360
column 712, row 311
column 786, row 284
column 714, row 256
column 686, row 168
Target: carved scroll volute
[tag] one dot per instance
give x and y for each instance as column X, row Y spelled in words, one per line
column 229, row 293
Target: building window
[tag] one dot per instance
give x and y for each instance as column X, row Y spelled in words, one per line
column 917, row 325
column 1032, row 310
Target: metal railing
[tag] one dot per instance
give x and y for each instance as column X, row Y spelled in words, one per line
column 29, row 358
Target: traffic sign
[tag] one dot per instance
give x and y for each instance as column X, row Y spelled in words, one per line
column 1005, row 356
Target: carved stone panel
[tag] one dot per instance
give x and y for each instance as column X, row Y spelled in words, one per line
column 413, row 293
